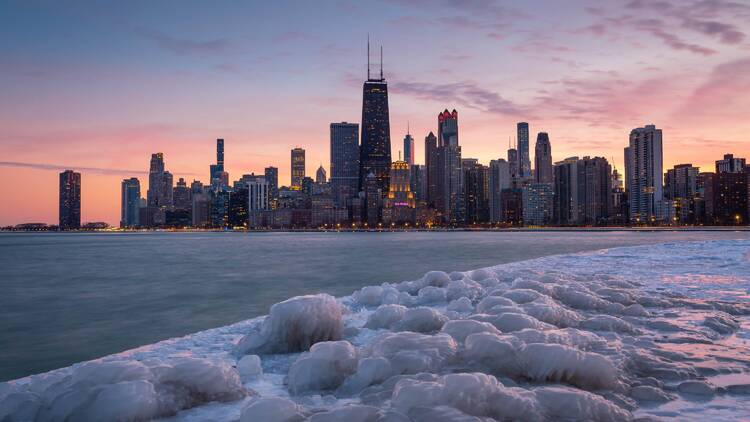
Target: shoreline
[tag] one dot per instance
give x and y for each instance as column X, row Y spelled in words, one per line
column 398, row 230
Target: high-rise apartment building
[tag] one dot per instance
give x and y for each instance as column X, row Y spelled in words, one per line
column 543, row 159
column 344, row 163
column 130, row 202
column 70, row 200
column 298, row 167
column 524, row 161
column 409, row 149
column 643, row 174
column 499, row 180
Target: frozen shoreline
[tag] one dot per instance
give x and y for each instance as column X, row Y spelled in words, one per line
column 675, row 346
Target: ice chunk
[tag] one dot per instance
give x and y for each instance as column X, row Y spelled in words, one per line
column 511, row 321
column 369, row 371
column 386, row 316
column 499, row 354
column 561, row 403
column 356, row 413
column 698, row 388
column 521, row 296
column 405, row 347
column 422, row 320
column 491, row 301
column 369, row 296
column 649, row 393
column 249, row 367
column 608, row 323
column 460, row 329
column 560, row 363
column 431, row 294
column 547, row 310
column 272, row 409
column 722, row 323
column 296, row 324
column 462, row 304
column 436, row 278
column 324, row 367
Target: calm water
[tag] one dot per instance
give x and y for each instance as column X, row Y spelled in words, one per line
column 65, row 298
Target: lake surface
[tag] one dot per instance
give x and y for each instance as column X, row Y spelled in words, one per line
column 69, row 297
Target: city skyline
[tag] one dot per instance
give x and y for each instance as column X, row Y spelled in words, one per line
column 685, row 79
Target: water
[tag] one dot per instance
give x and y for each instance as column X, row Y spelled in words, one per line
column 66, row 298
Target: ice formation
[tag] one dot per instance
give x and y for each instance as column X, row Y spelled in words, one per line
column 614, row 335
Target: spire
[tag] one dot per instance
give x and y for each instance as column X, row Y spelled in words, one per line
column 399, row 155
column 368, row 56
column 408, row 132
column 381, row 63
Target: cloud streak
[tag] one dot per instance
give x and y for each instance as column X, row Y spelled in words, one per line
column 186, row 46
column 468, row 94
column 62, row 167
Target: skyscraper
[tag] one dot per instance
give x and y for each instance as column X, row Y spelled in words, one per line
column 594, row 190
column 272, row 177
column 513, row 166
column 431, row 175
column 130, row 202
column 70, row 200
column 409, row 149
column 375, row 149
column 643, row 174
column 565, row 208
column 320, row 175
column 542, row 159
column 449, row 188
column 160, row 182
column 216, row 170
column 400, row 203
column 476, row 191
column 681, row 186
column 537, row 201
column 499, row 181
column 298, row 167
column 181, row 195
column 731, row 191
column 524, row 162
column 344, row 161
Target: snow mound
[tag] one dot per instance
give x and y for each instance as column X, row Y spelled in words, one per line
column 324, row 367
column 272, row 409
column 296, row 324
column 124, row 390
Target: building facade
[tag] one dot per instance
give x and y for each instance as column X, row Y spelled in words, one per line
column 344, row 163
column 543, row 159
column 70, row 200
column 298, row 167
column 130, row 202
column 524, row 161
column 643, row 174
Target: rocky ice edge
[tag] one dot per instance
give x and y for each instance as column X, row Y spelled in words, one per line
column 575, row 337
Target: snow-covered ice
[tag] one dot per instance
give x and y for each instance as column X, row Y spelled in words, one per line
column 657, row 332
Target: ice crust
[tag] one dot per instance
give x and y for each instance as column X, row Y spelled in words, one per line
column 574, row 337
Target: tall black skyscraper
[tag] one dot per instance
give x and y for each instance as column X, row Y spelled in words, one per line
column 70, row 200
column 543, row 159
column 217, row 169
column 524, row 162
column 375, row 150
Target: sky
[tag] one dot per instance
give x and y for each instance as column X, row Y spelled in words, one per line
column 99, row 86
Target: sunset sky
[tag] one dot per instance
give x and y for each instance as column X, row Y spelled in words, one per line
column 99, row 86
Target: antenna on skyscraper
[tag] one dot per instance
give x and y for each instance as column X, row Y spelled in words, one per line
column 381, row 62
column 368, row 56
column 408, row 132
